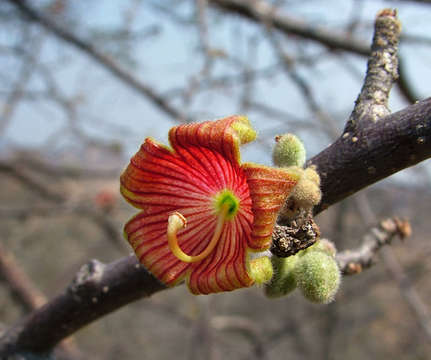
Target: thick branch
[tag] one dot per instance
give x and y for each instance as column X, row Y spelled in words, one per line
column 355, row 161
column 102, row 59
column 97, row 290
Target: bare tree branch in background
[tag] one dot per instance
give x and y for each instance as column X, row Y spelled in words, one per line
column 24, row 75
column 354, row 261
column 32, row 182
column 407, row 289
column 258, row 10
column 108, row 63
column 26, row 291
column 244, row 326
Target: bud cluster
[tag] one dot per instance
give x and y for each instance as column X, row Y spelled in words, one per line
column 289, row 152
column 313, row 271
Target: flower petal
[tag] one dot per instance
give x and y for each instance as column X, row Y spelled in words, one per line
column 225, row 269
column 160, row 181
column 269, row 188
column 224, row 136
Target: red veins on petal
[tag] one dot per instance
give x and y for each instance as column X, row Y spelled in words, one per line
column 269, row 188
column 216, row 135
column 203, row 161
column 160, row 181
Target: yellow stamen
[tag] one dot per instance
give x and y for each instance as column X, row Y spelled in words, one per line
column 177, row 222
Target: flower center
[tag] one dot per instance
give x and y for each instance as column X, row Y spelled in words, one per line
column 226, row 199
column 226, row 206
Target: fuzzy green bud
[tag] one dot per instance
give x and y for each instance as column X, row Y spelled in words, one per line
column 306, row 193
column 311, row 174
column 283, row 282
column 323, row 245
column 261, row 270
column 317, row 276
column 288, row 151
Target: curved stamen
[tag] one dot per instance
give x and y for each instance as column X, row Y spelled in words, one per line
column 177, row 222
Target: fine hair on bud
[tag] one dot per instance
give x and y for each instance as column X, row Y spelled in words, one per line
column 288, row 151
column 317, row 276
column 306, row 193
column 261, row 270
column 283, row 281
column 323, row 245
column 311, row 174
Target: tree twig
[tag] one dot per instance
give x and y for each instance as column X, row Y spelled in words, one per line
column 107, row 62
column 30, row 181
column 354, row 261
column 27, row 68
column 358, row 153
column 382, row 72
column 257, row 10
column 28, row 295
column 405, row 285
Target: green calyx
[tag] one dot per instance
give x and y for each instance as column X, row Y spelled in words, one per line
column 225, row 200
column 260, row 270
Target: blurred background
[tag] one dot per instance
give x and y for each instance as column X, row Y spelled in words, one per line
column 82, row 83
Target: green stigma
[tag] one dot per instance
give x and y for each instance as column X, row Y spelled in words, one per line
column 225, row 200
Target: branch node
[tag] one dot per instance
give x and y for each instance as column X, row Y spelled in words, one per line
column 354, row 261
column 88, row 276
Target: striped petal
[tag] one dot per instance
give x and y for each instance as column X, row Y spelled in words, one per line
column 225, row 269
column 223, row 136
column 160, row 181
column 269, row 189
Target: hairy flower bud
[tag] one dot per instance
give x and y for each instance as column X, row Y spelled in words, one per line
column 283, row 282
column 317, row 276
column 311, row 174
column 306, row 193
column 288, row 151
column 261, row 270
column 323, row 245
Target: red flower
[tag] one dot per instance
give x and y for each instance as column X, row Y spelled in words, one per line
column 229, row 208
